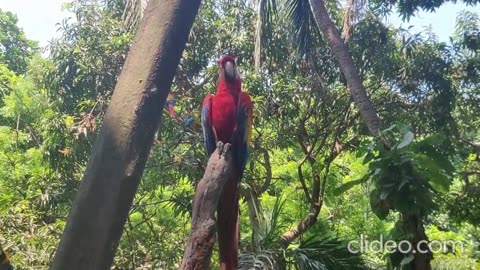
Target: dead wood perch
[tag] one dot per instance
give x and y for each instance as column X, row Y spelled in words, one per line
column 202, row 235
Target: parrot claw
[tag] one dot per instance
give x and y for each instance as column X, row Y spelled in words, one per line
column 226, row 148
column 222, row 148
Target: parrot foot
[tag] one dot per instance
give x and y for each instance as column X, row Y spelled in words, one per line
column 223, row 148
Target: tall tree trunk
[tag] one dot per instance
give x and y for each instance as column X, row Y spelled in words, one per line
column 258, row 37
column 118, row 158
column 414, row 226
column 345, row 61
column 364, row 104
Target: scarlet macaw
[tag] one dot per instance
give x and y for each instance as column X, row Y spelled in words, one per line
column 171, row 105
column 227, row 117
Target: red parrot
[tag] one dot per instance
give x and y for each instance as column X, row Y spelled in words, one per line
column 227, row 117
column 171, row 105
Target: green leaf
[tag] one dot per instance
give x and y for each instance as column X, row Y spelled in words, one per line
column 407, row 139
column 434, row 173
column 407, row 259
column 439, row 182
column 368, row 157
column 390, row 128
column 345, row 187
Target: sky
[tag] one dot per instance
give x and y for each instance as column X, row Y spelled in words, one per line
column 442, row 20
column 38, row 18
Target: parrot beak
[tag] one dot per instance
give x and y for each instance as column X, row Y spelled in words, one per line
column 230, row 71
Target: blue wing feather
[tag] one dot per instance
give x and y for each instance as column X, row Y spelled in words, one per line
column 242, row 147
column 242, row 131
column 208, row 134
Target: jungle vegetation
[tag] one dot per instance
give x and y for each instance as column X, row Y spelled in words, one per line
column 315, row 159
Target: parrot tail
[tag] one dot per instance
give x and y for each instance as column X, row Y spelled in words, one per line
column 227, row 225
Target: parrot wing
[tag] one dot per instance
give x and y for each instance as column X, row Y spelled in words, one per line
column 208, row 129
column 243, row 133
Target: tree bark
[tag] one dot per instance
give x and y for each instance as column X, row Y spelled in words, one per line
column 365, row 106
column 345, row 61
column 414, row 226
column 202, row 235
column 257, row 55
column 118, row 158
column 288, row 237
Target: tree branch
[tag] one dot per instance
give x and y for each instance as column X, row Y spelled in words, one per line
column 475, row 146
column 302, row 180
column 318, row 187
column 202, row 236
column 268, row 171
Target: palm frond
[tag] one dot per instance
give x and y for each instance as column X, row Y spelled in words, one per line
column 305, row 30
column 322, row 252
column 264, row 260
column 353, row 12
column 317, row 252
column 133, row 12
column 266, row 12
column 306, row 263
column 270, row 224
column 326, row 252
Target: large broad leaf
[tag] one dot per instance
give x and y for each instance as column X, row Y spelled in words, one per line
column 432, row 146
column 439, row 181
column 343, row 188
column 434, row 173
column 407, row 139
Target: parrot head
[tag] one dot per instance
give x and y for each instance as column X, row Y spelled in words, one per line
column 228, row 69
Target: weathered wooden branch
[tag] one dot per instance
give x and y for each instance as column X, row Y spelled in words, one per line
column 118, row 158
column 316, row 198
column 202, row 235
column 292, row 234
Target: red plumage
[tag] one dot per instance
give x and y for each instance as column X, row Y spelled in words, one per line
column 227, row 117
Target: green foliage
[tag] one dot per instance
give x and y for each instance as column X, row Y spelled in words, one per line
column 308, row 136
column 87, row 57
column 320, row 251
column 32, row 196
column 15, row 48
column 407, row 176
column 408, row 8
column 465, row 206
